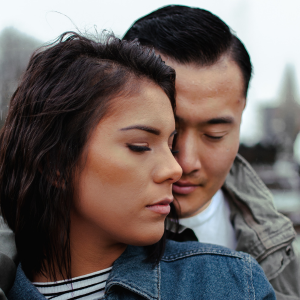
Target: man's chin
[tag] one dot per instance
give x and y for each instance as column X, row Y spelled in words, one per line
column 189, row 205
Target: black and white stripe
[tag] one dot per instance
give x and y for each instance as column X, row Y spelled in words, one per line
column 87, row 287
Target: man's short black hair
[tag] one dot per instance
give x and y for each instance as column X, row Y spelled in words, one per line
column 191, row 35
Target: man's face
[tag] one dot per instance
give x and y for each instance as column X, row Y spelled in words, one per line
column 210, row 102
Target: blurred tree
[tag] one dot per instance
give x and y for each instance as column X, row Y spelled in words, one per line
column 15, row 51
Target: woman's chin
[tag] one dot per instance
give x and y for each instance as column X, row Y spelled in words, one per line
column 148, row 239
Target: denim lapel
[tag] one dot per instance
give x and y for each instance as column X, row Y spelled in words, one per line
column 131, row 272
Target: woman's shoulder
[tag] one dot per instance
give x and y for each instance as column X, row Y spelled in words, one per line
column 211, row 270
column 179, row 250
column 23, row 288
column 211, row 259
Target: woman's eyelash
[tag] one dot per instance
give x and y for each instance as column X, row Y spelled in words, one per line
column 136, row 148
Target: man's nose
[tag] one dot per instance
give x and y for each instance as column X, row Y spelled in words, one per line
column 189, row 153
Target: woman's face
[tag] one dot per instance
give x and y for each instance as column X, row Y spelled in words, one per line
column 125, row 185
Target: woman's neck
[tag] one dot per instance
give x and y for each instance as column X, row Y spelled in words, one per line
column 90, row 250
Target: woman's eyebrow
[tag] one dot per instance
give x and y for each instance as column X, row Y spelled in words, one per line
column 144, row 128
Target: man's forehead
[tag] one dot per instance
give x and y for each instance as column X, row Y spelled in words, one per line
column 194, row 83
column 195, row 74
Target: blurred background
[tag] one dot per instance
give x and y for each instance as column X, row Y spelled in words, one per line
column 270, row 138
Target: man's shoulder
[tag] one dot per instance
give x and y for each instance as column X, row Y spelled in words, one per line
column 261, row 230
column 245, row 182
column 8, row 257
column 254, row 201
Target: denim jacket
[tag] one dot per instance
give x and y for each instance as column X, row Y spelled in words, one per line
column 187, row 271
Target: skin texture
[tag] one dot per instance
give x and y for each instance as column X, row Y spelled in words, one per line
column 210, row 102
column 117, row 185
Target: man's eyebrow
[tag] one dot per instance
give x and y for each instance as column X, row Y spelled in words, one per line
column 144, row 128
column 213, row 121
column 220, row 120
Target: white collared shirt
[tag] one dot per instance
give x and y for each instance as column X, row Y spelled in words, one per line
column 213, row 225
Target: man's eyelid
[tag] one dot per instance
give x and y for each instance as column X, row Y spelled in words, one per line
column 215, row 132
column 215, row 137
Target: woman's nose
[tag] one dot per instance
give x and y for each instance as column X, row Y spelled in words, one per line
column 168, row 170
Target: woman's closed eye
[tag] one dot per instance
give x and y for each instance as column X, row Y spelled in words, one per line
column 142, row 148
column 138, row 148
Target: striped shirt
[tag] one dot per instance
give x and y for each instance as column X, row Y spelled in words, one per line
column 87, row 287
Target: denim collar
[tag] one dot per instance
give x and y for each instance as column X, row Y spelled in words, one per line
column 23, row 288
column 131, row 272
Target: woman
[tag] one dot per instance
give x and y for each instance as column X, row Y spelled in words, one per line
column 86, row 170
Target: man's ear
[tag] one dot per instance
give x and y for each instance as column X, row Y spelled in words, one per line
column 245, row 102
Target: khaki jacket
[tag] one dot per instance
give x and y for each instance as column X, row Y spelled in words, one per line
column 260, row 229
column 8, row 259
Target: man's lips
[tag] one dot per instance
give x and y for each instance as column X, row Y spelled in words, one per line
column 162, row 207
column 184, row 187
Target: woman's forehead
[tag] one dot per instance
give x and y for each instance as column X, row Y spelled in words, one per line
column 149, row 103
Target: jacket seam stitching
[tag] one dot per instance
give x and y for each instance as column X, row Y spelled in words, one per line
column 275, row 247
column 158, row 280
column 201, row 252
column 251, row 277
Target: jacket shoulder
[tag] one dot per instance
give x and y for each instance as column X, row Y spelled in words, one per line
column 178, row 250
column 8, row 257
column 242, row 179
column 198, row 267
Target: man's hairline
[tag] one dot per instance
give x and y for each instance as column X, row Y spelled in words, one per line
column 195, row 64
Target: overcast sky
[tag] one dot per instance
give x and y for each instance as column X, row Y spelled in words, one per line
column 268, row 28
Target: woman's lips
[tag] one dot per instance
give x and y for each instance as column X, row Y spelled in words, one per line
column 183, row 189
column 162, row 207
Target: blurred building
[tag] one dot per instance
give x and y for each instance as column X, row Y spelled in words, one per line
column 275, row 157
column 281, row 124
column 15, row 51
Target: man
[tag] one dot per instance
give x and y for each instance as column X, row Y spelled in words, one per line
column 221, row 200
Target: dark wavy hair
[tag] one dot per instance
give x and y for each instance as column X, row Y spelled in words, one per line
column 191, row 35
column 61, row 97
